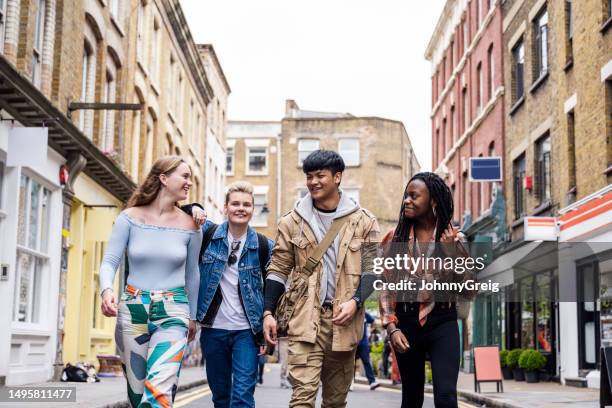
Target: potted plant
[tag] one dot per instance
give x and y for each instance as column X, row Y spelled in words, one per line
column 512, row 361
column 532, row 361
column 503, row 360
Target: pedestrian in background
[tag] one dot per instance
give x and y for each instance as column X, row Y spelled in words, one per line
column 156, row 315
column 363, row 353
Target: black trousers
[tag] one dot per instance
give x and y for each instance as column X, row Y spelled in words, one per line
column 439, row 339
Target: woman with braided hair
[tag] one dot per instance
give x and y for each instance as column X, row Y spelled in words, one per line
column 418, row 325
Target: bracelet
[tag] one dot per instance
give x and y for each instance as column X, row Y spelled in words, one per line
column 394, row 331
column 266, row 314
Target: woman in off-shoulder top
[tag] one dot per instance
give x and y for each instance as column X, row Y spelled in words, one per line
column 157, row 310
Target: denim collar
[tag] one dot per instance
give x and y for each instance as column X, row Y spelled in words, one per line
column 251, row 239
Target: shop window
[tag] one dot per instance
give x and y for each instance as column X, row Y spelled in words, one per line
column 32, row 249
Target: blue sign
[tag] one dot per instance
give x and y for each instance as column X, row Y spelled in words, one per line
column 485, row 169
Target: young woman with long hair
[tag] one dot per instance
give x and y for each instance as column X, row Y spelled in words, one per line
column 157, row 310
column 420, row 325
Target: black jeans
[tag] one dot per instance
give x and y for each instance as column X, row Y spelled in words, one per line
column 439, row 338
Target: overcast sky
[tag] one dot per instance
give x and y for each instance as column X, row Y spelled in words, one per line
column 357, row 56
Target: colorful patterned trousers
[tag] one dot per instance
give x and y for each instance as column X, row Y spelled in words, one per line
column 151, row 335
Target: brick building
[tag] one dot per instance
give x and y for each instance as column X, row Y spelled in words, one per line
column 465, row 52
column 557, row 72
column 254, row 155
column 374, row 149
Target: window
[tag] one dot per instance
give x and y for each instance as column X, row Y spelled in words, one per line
column 519, row 194
column 465, row 35
column 39, row 33
column 170, row 84
column 443, row 72
column 491, row 4
column 466, row 194
column 2, row 23
column 32, row 249
column 480, row 91
column 257, row 160
column 453, row 126
column 352, row 193
column 349, row 150
column 178, row 109
column 2, row 167
column 541, row 45
column 436, row 152
column 140, row 32
column 543, row 170
column 305, row 147
column 155, row 44
column 115, row 9
column 135, row 157
column 108, row 118
column 571, row 150
column 569, row 31
column 609, row 9
column 444, row 145
column 229, row 161
column 88, row 73
column 491, row 65
column 518, row 70
column 466, row 109
column 451, row 54
column 260, row 210
column 148, row 146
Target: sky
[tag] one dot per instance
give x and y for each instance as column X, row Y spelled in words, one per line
column 356, row 56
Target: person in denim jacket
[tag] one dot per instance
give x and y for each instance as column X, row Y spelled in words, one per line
column 230, row 302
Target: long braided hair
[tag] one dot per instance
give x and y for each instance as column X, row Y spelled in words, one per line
column 440, row 194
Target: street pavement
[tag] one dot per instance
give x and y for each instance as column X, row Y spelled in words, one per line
column 271, row 395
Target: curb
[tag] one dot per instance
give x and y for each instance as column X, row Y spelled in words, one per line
column 182, row 387
column 467, row 395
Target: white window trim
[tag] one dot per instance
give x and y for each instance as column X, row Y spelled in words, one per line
column 3, row 24
column 261, row 190
column 358, row 151
column 227, row 172
column 250, row 172
column 300, row 150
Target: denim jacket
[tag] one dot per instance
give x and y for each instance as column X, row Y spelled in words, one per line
column 212, row 266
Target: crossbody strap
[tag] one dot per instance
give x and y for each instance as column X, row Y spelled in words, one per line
column 317, row 254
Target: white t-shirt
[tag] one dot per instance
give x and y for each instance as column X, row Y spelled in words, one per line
column 231, row 314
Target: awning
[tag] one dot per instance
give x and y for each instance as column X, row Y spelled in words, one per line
column 502, row 269
column 24, row 102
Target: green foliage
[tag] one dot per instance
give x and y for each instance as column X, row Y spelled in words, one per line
column 503, row 358
column 428, row 375
column 513, row 358
column 531, row 360
column 376, row 352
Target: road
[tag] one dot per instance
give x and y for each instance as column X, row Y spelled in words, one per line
column 270, row 395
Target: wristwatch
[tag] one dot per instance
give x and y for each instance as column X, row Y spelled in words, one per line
column 358, row 301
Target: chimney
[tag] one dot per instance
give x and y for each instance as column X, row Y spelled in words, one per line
column 290, row 106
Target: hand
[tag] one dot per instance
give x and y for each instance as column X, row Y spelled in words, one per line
column 109, row 303
column 269, row 328
column 450, row 235
column 199, row 215
column 399, row 341
column 262, row 350
column 346, row 312
column 192, row 331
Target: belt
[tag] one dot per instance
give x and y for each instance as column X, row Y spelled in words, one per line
column 135, row 292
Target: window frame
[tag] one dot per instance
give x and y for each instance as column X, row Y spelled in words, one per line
column 233, row 160
column 249, row 171
column 349, row 163
column 255, row 222
column 38, row 42
column 540, row 61
column 302, row 151
column 518, row 60
column 543, row 168
column 40, row 255
column 480, row 90
column 491, row 71
column 518, row 175
column 3, row 9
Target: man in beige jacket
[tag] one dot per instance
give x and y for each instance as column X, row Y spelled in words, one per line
column 327, row 323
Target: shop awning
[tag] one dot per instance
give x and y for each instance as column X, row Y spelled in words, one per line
column 26, row 104
column 502, row 269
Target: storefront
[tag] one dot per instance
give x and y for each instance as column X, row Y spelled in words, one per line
column 585, row 239
column 30, row 227
column 93, row 213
